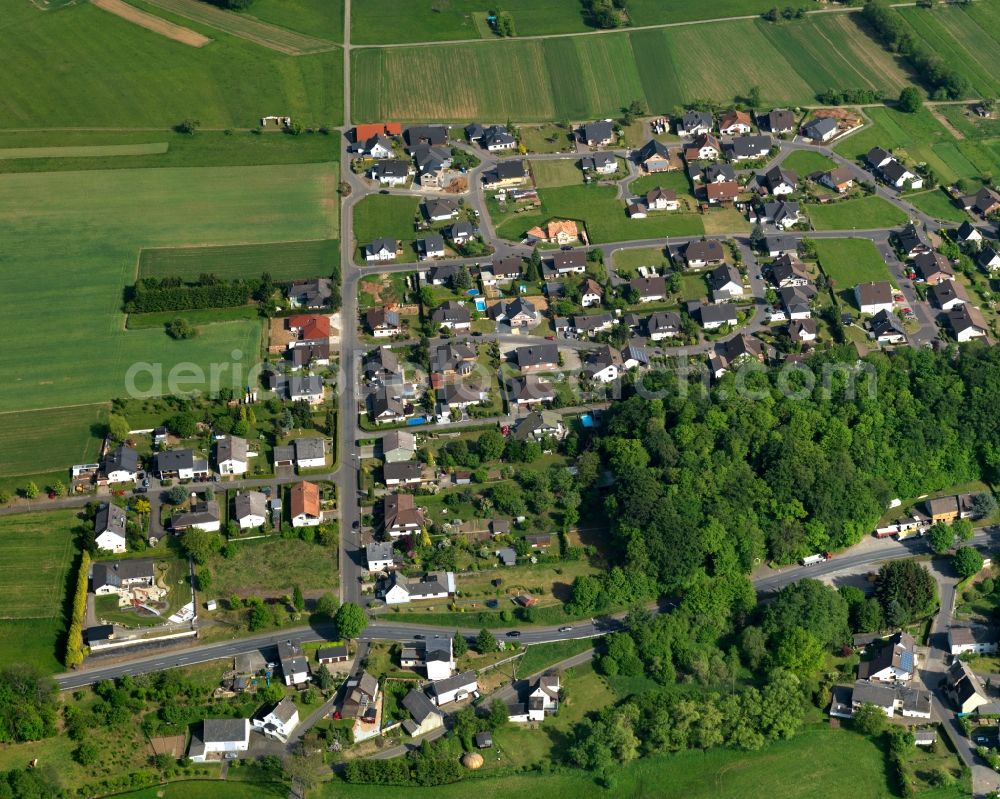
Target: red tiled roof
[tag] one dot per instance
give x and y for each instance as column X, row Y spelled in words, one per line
column 305, row 499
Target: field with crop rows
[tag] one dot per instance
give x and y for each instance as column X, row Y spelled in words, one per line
column 284, row 260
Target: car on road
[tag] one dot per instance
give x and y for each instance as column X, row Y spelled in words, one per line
column 565, row 629
column 898, row 298
column 514, row 634
column 565, row 247
column 418, row 637
column 550, row 338
column 356, row 525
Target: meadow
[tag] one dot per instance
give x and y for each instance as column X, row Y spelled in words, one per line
column 39, row 556
column 864, row 213
column 806, row 162
column 937, row 203
column 559, row 172
column 385, row 216
column 283, row 260
column 273, row 566
column 147, row 80
column 580, row 77
column 603, row 215
column 847, row 262
column 75, row 256
column 321, row 18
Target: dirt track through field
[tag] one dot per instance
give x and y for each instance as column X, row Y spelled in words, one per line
column 253, row 30
column 153, row 23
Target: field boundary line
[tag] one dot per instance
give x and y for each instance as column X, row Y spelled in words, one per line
column 56, row 407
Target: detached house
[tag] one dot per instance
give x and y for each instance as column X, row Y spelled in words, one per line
column 966, row 323
column 530, row 389
column 537, row 358
column 378, row 556
column 780, row 181
column 453, row 316
column 598, row 134
column 121, row 465
column 989, row 259
column 663, row 325
column 796, row 301
column 294, row 666
column 730, row 354
column 874, row 297
column 968, row 232
column 232, row 454
column 604, row 365
column 744, row 148
column 378, row 147
column 304, row 505
column 821, row 129
column 984, row 202
column 400, row 515
column 649, row 289
column 380, row 250
column 109, row 528
column 599, row 163
column 722, row 193
column 217, row 739
column 788, row 270
column 398, row 445
column 430, row 246
column 877, row 158
column 591, row 293
column 505, row 175
column 886, row 328
column 840, row 179
column 910, row 242
column 277, row 721
column 704, row 148
column 933, row 268
column 454, row 688
column 391, row 172
column 978, row 640
column 179, row 464
column 542, row 701
column 715, row 316
column 708, row 252
column 694, row 123
column 424, row 716
column 660, row 199
column 780, row 120
column 433, row 585
column 897, row 175
column 725, row 283
column 439, row 210
column 948, row 294
column 735, row 123
column 517, row 313
column 653, row 157
column 382, row 322
column 250, row 509
column 896, row 661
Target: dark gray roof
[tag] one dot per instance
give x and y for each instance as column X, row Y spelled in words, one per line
column 440, row 687
column 107, row 573
column 817, row 128
column 121, row 458
column 231, row 448
column 173, row 460
column 718, row 313
column 308, row 448
column 378, row 550
column 305, row 385
column 110, row 518
column 392, row 168
column 224, row 730
column 250, row 503
column 537, row 354
column 598, row 131
column 402, row 470
column 419, row 706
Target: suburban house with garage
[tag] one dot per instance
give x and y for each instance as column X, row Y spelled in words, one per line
column 730, row 354
column 788, row 270
column 648, row 289
column 780, row 120
column 591, row 293
column 887, row 329
column 715, row 316
column 820, row 129
column 660, row 199
column 984, row 202
column 219, row 739
column 361, row 698
column 588, row 325
column 989, row 259
column 735, row 123
column 704, row 148
column 598, row 134
column 539, row 425
column 310, row 453
column 454, row 688
column 966, row 322
column 803, row 331
column 653, row 157
column 277, row 721
column 708, row 252
column 890, row 699
column 542, row 700
column 391, row 172
column 250, row 509
column 604, row 365
column 294, row 665
column 963, row 687
column 305, row 388
column 311, row 294
column 725, row 283
column 398, row 445
column 779, row 181
column 722, row 193
column 383, row 323
column 203, row 515
column 530, row 389
column 537, row 358
column 179, row 464
column 599, row 163
column 565, row 262
column 947, row 295
column 378, row 556
column 385, row 405
column 403, row 473
column 797, row 301
column 505, row 175
column 121, row 465
column 304, row 505
column 433, row 655
column 909, row 241
column 453, row 316
column 517, row 313
column 378, row 147
column 433, row 585
column 840, row 179
column 874, row 297
column 663, row 325
column 557, row 231
column 122, row 577
column 109, row 528
column 745, row 148
column 430, row 246
column 933, row 268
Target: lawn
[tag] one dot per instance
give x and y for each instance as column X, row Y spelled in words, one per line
column 286, row 260
column 627, row 261
column 677, row 181
column 559, row 172
column 805, row 162
column 210, row 789
column 548, row 138
column 603, row 215
column 541, row 656
column 385, row 216
column 848, row 262
column 147, row 80
column 206, row 148
column 865, row 213
column 938, row 203
column 843, row 762
column 272, row 566
column 36, row 576
column 76, row 256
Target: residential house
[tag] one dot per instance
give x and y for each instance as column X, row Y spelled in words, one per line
column 797, row 300
column 309, row 329
column 736, row 351
column 310, row 453
column 505, row 175
column 966, row 322
column 460, row 395
column 735, row 123
column 400, row 515
column 942, row 509
column 649, row 289
column 895, row 661
column 283, row 455
column 537, row 358
column 539, row 425
column 886, row 328
column 722, row 193
column 704, row 148
column 897, row 175
column 517, row 313
column 250, row 509
column 776, row 246
column 461, row 233
column 278, row 720
column 338, row 653
column 364, row 132
column 694, row 123
column 122, row 577
column 378, row 147
column 232, row 455
column 530, row 389
column 424, row 717
column 802, row 331
column 383, row 323
column 453, row 359
column 385, row 405
column 890, row 699
column 454, row 688
column 109, row 528
column 565, row 262
column 506, row 269
column 453, row 316
column 121, row 465
column 433, row 585
column 599, row 163
column 634, row 355
column 403, row 473
column 663, row 325
column 983, row 202
column 179, row 464
column 715, row 316
column 598, row 134
column 781, row 214
column 307, row 388
column 947, row 295
column 745, row 148
column 383, row 366
column 604, row 365
column 840, row 179
column 361, row 698
column 294, row 666
column 592, row 324
column 780, row 181
column 716, row 173
column 496, row 139
column 653, row 156
column 434, row 655
column 309, row 356
column 780, row 120
column 659, row 199
column 219, row 739
column 933, row 268
column 202, row 515
column 381, row 250
column 391, row 172
column 787, row 271
column 977, row 639
column 398, row 445
column 556, row 231
column 378, row 556
column 963, row 687
column 909, row 241
column 967, row 232
column 877, row 158
column 433, row 135
column 988, row 259
column 439, row 210
column 874, row 297
column 304, row 505
column 820, row 129
column 707, row 252
column 591, row 293
column 544, row 697
column 725, row 283
column 430, row 246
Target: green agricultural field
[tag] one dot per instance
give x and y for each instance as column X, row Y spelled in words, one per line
column 72, row 435
column 848, row 262
column 385, row 216
column 76, row 256
column 286, row 260
column 206, row 789
column 561, row 172
column 587, row 76
column 805, row 162
column 102, row 71
column 864, row 213
column 92, row 151
column 603, row 215
column 969, row 42
column 323, row 19
column 205, row 148
column 843, row 762
column 937, row 203
column 39, row 556
column 197, row 317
